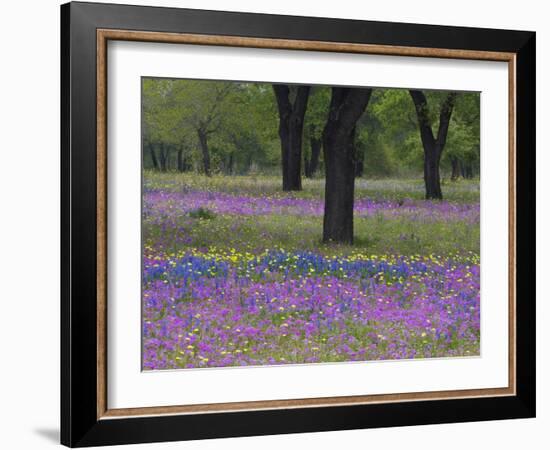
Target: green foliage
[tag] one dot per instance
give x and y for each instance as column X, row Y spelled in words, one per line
column 394, row 130
column 317, row 111
column 463, row 139
column 202, row 213
column 241, row 122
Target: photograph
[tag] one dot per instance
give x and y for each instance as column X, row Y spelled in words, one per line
column 302, row 224
column 282, row 224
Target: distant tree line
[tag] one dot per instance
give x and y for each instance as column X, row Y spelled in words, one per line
column 304, row 131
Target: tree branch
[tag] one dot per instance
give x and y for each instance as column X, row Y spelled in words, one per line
column 445, row 119
column 422, row 114
column 282, row 93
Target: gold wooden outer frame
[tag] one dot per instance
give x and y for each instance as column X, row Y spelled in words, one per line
column 103, row 36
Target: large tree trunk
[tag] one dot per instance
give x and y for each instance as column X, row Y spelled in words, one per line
column 291, row 124
column 203, row 141
column 313, row 164
column 433, row 147
column 296, row 132
column 346, row 107
column 432, row 179
column 151, row 148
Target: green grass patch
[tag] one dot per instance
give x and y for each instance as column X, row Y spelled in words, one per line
column 463, row 191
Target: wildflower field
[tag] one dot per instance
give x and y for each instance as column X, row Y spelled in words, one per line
column 235, row 274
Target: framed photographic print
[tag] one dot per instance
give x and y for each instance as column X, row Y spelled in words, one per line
column 276, row 224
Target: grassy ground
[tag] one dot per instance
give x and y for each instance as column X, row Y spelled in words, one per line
column 372, row 235
column 235, row 273
column 462, row 191
column 376, row 234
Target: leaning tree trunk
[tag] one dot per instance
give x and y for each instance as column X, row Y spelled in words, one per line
column 433, row 147
column 291, row 124
column 203, row 141
column 346, row 107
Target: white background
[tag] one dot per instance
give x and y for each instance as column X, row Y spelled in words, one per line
column 128, row 387
column 29, row 187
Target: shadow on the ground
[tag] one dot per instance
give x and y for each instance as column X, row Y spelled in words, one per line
column 50, row 434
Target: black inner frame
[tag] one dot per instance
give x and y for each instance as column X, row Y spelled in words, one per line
column 79, row 423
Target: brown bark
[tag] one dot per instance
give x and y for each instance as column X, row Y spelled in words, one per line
column 346, row 107
column 433, row 147
column 291, row 124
